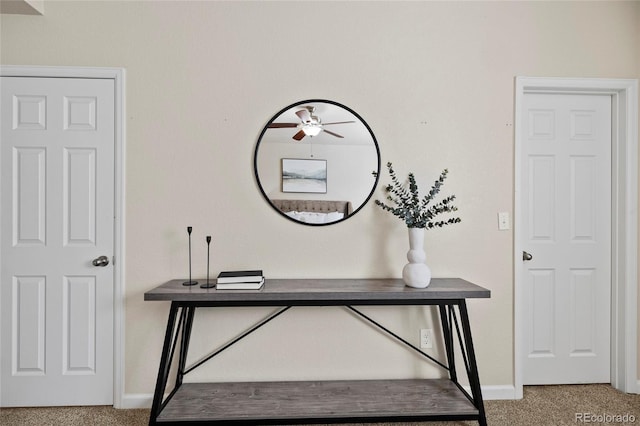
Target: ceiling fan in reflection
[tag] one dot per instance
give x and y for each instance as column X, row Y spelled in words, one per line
column 310, row 125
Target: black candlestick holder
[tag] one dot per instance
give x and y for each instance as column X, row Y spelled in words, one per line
column 190, row 282
column 208, row 284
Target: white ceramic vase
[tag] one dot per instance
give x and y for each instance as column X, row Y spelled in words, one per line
column 416, row 273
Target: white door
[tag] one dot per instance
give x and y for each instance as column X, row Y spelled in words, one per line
column 57, row 184
column 566, row 228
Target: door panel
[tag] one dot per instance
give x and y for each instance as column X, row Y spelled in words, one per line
column 79, row 197
column 28, row 325
column 29, row 196
column 57, row 163
column 567, row 219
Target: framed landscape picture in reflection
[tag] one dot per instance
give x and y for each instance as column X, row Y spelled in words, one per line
column 307, row 176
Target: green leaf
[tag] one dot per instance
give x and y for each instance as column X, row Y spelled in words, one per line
column 415, row 211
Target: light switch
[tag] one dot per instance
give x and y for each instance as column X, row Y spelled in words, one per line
column 503, row 221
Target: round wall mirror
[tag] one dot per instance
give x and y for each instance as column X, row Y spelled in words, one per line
column 317, row 162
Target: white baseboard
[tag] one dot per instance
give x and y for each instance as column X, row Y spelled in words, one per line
column 144, row 400
column 136, row 400
column 495, row 392
column 498, row 392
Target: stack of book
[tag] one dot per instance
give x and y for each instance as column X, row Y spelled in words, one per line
column 240, row 280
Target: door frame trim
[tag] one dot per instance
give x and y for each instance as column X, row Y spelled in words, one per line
column 624, row 217
column 118, row 76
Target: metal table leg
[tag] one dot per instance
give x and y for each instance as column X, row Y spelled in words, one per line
column 448, row 340
column 165, row 364
column 474, row 379
column 188, row 313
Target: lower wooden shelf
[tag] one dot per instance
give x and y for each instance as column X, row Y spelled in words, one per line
column 314, row 401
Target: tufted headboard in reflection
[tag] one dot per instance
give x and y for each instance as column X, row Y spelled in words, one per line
column 314, row 206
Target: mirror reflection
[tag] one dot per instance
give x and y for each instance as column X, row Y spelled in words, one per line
column 317, row 162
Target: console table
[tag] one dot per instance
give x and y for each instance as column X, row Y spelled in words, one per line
column 305, row 402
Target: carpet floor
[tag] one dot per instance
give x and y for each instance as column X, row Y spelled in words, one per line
column 541, row 406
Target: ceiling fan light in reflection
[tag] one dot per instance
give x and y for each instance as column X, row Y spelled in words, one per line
column 311, row 129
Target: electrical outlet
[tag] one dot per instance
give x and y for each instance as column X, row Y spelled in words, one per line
column 426, row 341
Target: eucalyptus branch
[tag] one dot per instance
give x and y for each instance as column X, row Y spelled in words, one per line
column 417, row 212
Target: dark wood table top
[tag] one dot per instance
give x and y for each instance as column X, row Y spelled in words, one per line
column 320, row 291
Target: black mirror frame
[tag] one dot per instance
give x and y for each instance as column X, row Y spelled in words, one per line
column 307, row 101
